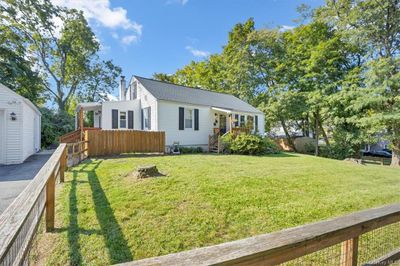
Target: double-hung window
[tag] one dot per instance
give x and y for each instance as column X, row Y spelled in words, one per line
column 147, row 118
column 188, row 118
column 122, row 119
column 242, row 121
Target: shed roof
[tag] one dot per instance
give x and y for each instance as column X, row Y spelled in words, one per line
column 172, row 92
column 27, row 101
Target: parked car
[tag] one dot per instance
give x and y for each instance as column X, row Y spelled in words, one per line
column 381, row 153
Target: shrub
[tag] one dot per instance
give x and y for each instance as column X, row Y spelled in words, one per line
column 227, row 142
column 54, row 125
column 270, row 146
column 188, row 150
column 248, row 144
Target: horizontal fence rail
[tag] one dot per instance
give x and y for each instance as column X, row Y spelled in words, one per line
column 347, row 240
column 18, row 223
column 110, row 142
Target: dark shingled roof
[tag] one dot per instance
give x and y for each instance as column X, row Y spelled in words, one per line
column 177, row 93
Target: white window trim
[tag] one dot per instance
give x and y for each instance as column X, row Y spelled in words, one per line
column 191, row 117
column 126, row 119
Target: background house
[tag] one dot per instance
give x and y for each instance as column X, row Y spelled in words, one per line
column 20, row 123
column 187, row 115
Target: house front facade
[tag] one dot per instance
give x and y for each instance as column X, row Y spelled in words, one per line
column 188, row 116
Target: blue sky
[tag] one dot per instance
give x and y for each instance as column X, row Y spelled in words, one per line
column 148, row 36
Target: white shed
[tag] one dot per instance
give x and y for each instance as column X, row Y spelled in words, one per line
column 20, row 127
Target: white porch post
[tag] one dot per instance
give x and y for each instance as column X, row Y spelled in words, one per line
column 76, row 120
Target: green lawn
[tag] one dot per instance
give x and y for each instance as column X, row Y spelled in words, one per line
column 106, row 216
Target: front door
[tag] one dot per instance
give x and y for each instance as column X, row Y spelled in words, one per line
column 222, row 124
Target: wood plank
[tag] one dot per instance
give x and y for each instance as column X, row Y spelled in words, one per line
column 285, row 245
column 15, row 216
column 349, row 252
column 50, row 202
column 390, row 258
column 109, row 142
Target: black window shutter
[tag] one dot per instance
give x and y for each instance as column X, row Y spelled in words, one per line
column 196, row 119
column 236, row 120
column 181, row 118
column 114, row 117
column 130, row 119
column 142, row 118
column 256, row 122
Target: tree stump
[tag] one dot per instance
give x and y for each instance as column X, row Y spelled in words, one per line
column 147, row 171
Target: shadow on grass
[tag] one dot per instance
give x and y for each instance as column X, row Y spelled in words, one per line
column 115, row 242
column 272, row 155
column 130, row 155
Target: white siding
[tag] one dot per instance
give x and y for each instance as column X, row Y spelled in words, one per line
column 9, row 102
column 121, row 106
column 2, row 136
column 28, row 134
column 148, row 100
column 168, row 119
column 20, row 138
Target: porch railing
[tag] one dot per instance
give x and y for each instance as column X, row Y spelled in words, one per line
column 240, row 130
column 366, row 237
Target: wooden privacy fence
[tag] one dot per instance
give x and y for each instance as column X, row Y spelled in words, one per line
column 370, row 237
column 109, row 142
column 18, row 223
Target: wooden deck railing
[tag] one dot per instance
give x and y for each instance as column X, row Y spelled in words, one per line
column 18, row 223
column 76, row 135
column 345, row 240
column 76, row 152
column 70, row 137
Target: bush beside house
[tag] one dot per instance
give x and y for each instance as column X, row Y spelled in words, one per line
column 248, row 144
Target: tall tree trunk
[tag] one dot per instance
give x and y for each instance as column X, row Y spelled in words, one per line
column 323, row 133
column 288, row 137
column 307, row 125
column 396, row 154
column 316, row 134
column 61, row 105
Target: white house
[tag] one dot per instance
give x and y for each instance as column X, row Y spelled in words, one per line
column 20, row 123
column 187, row 115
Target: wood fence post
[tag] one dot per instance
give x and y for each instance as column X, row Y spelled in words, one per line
column 63, row 164
column 349, row 252
column 50, row 200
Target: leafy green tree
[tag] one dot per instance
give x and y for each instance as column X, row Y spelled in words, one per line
column 64, row 53
column 226, row 72
column 375, row 26
column 316, row 62
column 16, row 67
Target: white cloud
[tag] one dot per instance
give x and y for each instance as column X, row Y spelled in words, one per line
column 197, row 53
column 286, row 28
column 128, row 39
column 115, row 35
column 101, row 12
column 181, row 2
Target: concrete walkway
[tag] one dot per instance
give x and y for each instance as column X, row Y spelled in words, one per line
column 14, row 178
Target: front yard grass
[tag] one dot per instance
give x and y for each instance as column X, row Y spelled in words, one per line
column 104, row 216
